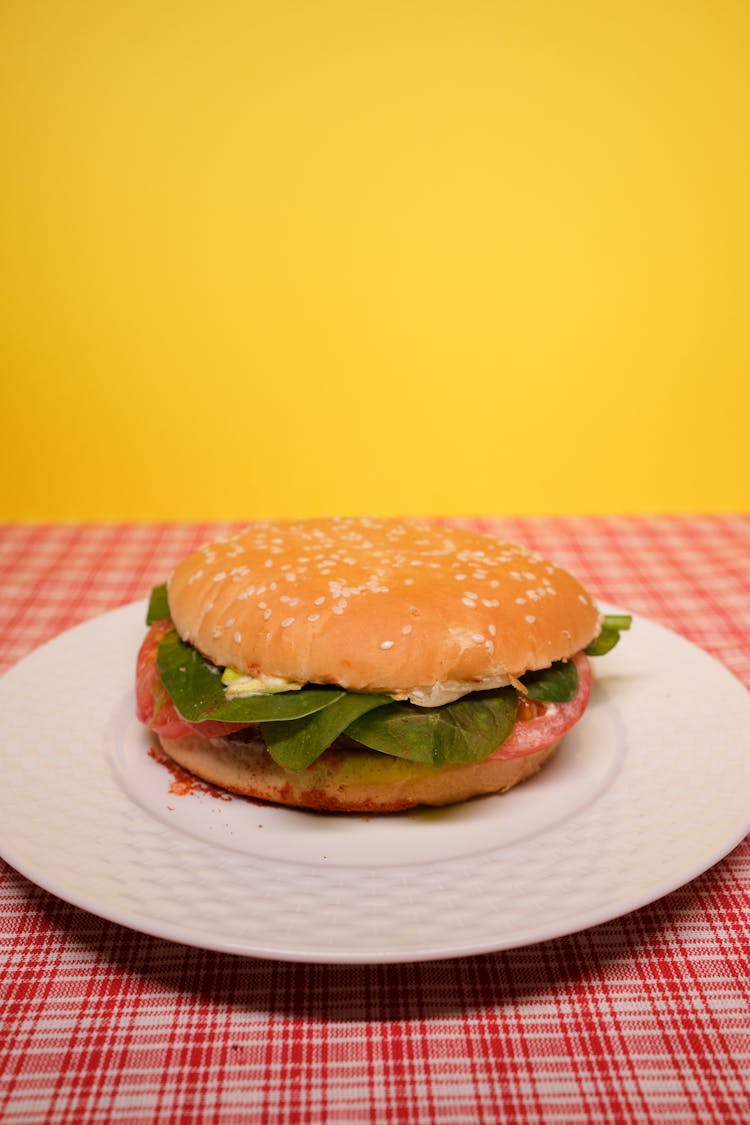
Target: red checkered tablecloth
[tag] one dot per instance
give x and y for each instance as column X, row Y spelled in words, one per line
column 643, row 1019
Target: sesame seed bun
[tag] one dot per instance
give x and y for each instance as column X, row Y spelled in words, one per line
column 410, row 607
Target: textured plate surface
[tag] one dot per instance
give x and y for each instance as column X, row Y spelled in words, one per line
column 650, row 790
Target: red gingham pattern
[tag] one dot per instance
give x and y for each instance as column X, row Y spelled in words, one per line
column 644, row 1019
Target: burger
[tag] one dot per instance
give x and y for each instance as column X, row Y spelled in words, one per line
column 365, row 664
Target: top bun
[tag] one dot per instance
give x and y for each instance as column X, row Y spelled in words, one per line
column 409, row 607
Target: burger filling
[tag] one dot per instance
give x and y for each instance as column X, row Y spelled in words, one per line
column 180, row 692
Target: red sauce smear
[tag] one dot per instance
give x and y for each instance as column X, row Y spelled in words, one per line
column 185, row 783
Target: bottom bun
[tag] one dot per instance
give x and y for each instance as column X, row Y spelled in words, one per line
column 343, row 779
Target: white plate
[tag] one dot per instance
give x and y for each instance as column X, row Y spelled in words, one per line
column 650, row 790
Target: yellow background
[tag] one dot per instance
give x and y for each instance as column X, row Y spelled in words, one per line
column 293, row 258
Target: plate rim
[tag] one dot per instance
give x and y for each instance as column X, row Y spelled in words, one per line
column 203, row 939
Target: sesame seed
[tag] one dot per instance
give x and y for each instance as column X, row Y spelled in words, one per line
column 319, row 601
column 386, row 644
column 529, row 618
column 406, row 630
column 266, row 614
column 520, row 601
column 313, row 617
column 287, row 622
column 492, row 630
column 237, row 637
column 469, row 602
column 220, row 576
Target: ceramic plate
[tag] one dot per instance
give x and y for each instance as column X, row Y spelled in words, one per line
column 647, row 792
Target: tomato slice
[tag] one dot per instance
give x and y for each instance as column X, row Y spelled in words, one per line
column 555, row 720
column 154, row 706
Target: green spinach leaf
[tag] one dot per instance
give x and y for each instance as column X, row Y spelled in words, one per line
column 299, row 742
column 198, row 693
column 158, row 606
column 465, row 731
column 556, row 684
column 612, row 625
